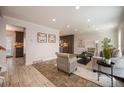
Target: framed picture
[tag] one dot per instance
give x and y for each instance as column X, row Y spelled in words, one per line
column 51, row 38
column 90, row 43
column 41, row 37
column 81, row 43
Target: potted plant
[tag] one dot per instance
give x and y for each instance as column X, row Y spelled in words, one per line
column 107, row 50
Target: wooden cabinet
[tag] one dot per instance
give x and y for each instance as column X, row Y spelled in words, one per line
column 19, row 37
column 19, row 51
column 68, row 41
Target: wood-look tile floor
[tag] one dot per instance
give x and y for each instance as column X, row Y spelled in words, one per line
column 20, row 75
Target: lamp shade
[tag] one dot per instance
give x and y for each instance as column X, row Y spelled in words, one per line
column 2, row 48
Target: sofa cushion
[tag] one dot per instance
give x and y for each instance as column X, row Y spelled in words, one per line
column 119, row 62
column 65, row 55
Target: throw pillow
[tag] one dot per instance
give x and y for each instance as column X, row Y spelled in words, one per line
column 115, row 53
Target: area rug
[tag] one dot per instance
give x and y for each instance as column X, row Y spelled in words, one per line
column 61, row 79
column 92, row 76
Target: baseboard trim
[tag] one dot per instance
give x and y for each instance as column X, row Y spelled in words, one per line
column 45, row 60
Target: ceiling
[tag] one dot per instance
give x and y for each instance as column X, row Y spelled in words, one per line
column 82, row 20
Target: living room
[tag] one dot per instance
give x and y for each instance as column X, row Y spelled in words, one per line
column 88, row 26
column 92, row 39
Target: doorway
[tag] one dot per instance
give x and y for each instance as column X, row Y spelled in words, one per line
column 15, row 41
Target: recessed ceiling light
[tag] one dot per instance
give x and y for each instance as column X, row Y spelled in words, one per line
column 53, row 19
column 68, row 26
column 77, row 7
column 75, row 29
column 88, row 20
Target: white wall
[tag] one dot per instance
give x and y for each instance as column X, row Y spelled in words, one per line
column 36, row 51
column 93, row 36
column 2, row 42
column 11, row 36
column 122, row 38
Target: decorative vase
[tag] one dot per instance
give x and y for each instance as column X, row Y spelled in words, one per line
column 108, row 61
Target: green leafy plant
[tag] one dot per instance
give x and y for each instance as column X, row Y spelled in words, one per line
column 107, row 47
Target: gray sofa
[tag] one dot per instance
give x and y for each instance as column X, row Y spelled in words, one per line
column 118, row 69
column 66, row 62
column 119, row 66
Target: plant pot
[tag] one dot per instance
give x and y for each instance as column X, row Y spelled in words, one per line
column 108, row 61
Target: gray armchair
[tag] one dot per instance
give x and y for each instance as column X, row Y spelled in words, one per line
column 66, row 62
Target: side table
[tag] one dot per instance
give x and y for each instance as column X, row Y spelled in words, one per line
column 102, row 63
